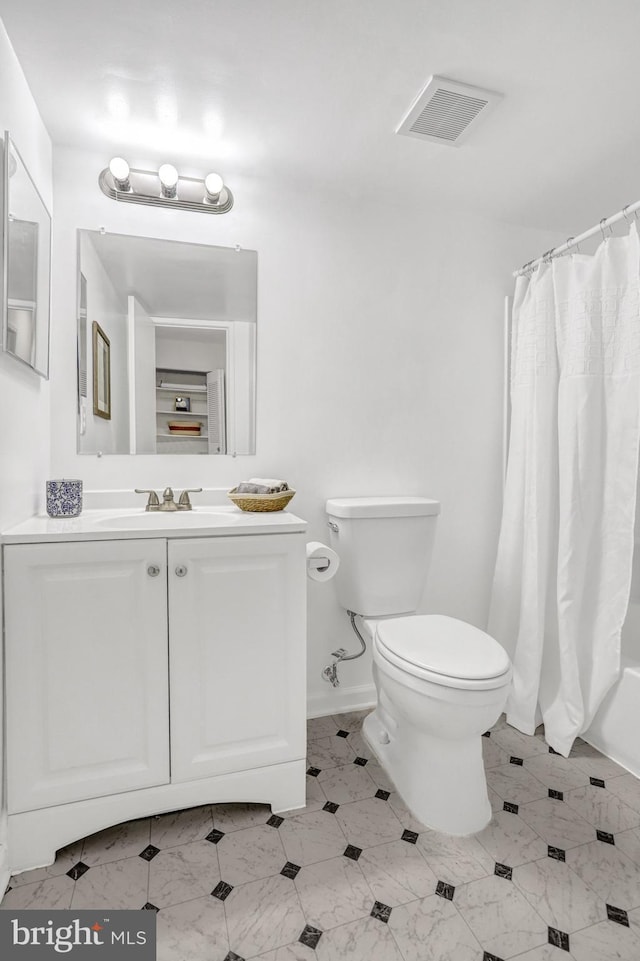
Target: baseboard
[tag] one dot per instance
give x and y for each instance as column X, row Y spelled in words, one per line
column 338, row 700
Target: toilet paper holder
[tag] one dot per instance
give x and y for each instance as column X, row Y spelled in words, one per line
column 322, row 562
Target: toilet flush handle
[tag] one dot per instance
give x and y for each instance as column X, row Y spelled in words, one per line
column 333, row 527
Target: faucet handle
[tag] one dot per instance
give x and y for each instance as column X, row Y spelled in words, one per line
column 153, row 503
column 184, row 502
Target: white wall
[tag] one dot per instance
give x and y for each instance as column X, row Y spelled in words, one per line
column 24, row 396
column 380, row 370
column 24, row 438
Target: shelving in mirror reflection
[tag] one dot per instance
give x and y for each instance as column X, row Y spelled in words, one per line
column 181, row 321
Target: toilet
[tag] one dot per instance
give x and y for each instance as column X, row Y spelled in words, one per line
column 440, row 682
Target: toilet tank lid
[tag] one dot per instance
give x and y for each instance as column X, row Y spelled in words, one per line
column 397, row 506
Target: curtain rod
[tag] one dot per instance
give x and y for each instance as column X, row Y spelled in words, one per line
column 574, row 241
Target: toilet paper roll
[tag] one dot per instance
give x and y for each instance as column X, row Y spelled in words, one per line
column 322, row 562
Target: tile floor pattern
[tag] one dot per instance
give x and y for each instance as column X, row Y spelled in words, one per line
column 555, row 875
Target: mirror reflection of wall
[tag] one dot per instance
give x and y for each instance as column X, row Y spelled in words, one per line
column 22, row 294
column 82, row 339
column 181, row 321
column 28, row 247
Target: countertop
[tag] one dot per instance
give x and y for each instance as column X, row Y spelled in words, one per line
column 125, row 524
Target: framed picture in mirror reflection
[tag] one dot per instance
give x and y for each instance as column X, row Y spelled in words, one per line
column 101, row 373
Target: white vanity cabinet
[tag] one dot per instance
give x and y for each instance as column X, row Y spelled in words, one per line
column 237, row 654
column 149, row 674
column 86, row 663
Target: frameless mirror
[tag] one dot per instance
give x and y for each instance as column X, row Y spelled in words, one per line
column 26, row 264
column 166, row 346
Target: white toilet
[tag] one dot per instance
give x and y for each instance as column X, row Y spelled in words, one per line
column 441, row 683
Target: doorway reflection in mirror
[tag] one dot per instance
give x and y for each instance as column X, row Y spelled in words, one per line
column 181, row 323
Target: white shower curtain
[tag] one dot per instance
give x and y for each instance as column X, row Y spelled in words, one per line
column 563, row 572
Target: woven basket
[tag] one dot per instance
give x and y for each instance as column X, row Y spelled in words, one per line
column 261, row 502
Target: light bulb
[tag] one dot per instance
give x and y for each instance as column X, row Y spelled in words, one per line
column 213, row 184
column 119, row 170
column 168, row 180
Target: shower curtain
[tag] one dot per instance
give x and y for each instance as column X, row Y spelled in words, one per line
column 563, row 571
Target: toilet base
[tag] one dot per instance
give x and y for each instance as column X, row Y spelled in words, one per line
column 442, row 781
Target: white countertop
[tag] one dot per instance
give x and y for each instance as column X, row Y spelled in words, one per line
column 128, row 523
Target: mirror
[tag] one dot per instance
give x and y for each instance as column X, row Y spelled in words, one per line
column 166, row 346
column 27, row 264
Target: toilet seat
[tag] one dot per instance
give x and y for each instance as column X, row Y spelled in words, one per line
column 444, row 651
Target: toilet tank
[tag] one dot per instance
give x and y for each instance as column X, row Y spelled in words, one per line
column 385, row 546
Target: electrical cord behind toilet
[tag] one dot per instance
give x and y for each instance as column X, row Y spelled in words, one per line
column 330, row 673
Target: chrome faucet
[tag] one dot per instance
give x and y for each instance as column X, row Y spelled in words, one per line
column 168, row 503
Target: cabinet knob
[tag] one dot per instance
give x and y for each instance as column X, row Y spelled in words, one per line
column 153, row 570
column 181, row 570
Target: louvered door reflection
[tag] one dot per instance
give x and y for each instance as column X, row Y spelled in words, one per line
column 216, row 409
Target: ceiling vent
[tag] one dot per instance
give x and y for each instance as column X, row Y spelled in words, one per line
column 445, row 111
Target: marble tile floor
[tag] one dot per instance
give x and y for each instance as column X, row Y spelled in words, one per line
column 554, row 876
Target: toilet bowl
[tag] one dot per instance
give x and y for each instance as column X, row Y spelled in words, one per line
column 441, row 684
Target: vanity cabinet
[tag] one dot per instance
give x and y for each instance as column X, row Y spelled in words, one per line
column 150, row 674
column 237, row 654
column 86, row 663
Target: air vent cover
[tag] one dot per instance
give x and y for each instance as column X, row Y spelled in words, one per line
column 445, row 111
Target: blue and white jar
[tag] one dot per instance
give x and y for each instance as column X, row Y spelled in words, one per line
column 64, row 498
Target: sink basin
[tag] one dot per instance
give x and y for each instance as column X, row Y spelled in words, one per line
column 107, row 523
column 161, row 520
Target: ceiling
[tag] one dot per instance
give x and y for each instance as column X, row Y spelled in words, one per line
column 313, row 91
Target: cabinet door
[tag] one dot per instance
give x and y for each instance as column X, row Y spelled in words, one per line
column 86, row 642
column 237, row 653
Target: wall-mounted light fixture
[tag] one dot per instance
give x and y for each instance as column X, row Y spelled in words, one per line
column 165, row 188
